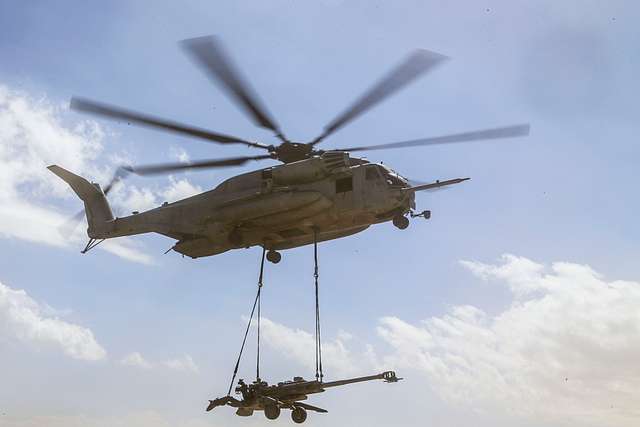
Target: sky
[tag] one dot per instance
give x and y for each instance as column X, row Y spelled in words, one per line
column 516, row 304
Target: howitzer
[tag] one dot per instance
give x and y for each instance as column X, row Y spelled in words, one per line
column 259, row 396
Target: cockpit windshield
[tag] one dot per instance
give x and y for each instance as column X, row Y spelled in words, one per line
column 392, row 178
column 379, row 172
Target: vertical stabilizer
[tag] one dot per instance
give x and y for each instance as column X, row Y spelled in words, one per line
column 96, row 205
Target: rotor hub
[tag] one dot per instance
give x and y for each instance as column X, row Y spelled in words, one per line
column 289, row 152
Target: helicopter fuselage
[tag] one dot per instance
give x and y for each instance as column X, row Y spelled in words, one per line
column 285, row 206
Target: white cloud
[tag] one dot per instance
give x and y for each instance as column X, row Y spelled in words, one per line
column 180, row 154
column 24, row 320
column 179, row 189
column 299, row 346
column 136, row 360
column 565, row 350
column 34, row 134
column 182, row 364
column 132, row 198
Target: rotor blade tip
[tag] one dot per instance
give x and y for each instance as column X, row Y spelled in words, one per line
column 430, row 54
column 74, row 103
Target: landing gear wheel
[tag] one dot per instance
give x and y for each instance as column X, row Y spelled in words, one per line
column 272, row 411
column 274, row 256
column 401, row 222
column 298, row 415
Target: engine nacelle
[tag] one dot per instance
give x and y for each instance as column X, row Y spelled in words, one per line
column 310, row 170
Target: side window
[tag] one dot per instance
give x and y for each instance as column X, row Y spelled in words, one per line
column 371, row 173
column 344, row 184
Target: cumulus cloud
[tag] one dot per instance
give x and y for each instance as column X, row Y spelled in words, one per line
column 182, row 364
column 565, row 350
column 133, row 198
column 299, row 346
column 24, row 320
column 135, row 359
column 35, row 133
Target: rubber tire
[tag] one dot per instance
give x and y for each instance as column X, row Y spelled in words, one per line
column 274, row 257
column 298, row 415
column 272, row 412
column 401, row 222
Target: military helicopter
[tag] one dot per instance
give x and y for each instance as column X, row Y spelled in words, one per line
column 314, row 195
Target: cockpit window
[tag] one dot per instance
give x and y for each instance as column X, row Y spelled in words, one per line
column 392, row 179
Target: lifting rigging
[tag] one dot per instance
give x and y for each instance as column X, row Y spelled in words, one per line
column 289, row 394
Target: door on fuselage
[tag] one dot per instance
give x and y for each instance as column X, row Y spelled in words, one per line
column 373, row 186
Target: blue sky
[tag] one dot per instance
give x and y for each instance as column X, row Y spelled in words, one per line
column 170, row 327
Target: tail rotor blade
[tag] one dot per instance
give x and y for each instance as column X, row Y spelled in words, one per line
column 68, row 228
column 120, row 174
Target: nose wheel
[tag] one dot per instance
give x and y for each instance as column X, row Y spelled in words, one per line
column 274, row 256
column 401, row 221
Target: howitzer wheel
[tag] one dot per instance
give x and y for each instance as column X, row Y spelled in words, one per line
column 400, row 222
column 298, row 415
column 272, row 411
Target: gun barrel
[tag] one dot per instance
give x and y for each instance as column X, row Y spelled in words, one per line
column 388, row 376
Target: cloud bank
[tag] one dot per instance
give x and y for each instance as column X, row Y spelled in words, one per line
column 35, row 133
column 564, row 351
column 182, row 364
column 24, row 320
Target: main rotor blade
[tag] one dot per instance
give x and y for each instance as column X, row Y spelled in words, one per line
column 117, row 113
column 209, row 54
column 496, row 133
column 201, row 164
column 418, row 63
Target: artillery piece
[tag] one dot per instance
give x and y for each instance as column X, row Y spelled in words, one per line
column 259, row 396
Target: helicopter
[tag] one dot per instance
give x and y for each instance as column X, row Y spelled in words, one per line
column 314, row 195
